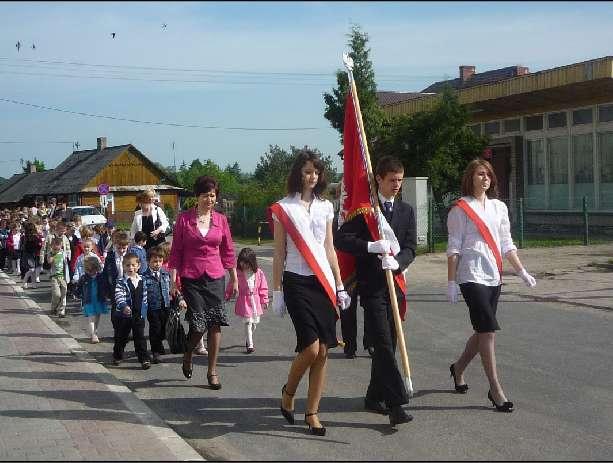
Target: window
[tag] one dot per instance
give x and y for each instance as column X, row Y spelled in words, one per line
column 535, row 190
column 476, row 128
column 556, row 120
column 606, row 170
column 558, row 172
column 583, row 170
column 605, row 113
column 511, row 125
column 534, row 122
column 492, row 128
column 582, row 116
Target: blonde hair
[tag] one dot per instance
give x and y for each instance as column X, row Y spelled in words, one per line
column 146, row 195
column 86, row 232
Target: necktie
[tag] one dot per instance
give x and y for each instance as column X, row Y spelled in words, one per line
column 387, row 205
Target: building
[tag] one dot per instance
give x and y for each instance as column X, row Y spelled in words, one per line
column 551, row 134
column 124, row 168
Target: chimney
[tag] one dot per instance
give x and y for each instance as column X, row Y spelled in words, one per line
column 522, row 71
column 101, row 143
column 32, row 167
column 466, row 72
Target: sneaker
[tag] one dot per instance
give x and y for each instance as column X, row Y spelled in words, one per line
column 95, row 339
column 146, row 364
column 62, row 313
column 250, row 350
column 25, row 285
column 37, row 279
column 201, row 351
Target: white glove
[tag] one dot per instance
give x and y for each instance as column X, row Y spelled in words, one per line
column 278, row 303
column 343, row 299
column 389, row 263
column 453, row 292
column 528, row 279
column 379, row 247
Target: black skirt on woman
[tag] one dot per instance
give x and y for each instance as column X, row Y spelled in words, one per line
column 310, row 309
column 204, row 298
column 482, row 304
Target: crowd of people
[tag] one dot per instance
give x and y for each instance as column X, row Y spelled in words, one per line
column 137, row 276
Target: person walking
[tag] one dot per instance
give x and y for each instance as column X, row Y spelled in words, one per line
column 150, row 219
column 307, row 281
column 202, row 250
column 479, row 235
column 91, row 289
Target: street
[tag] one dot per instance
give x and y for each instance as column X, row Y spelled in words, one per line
column 554, row 363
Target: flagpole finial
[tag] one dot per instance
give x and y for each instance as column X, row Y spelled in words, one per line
column 348, row 60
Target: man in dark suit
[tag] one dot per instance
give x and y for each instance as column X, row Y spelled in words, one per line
column 387, row 391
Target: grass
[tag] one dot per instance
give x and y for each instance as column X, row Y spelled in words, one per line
column 249, row 241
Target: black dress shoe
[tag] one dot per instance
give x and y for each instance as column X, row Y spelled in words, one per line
column 375, row 406
column 506, row 407
column 459, row 388
column 371, row 351
column 398, row 416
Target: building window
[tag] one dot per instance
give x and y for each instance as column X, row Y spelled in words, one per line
column 556, row 120
column 605, row 163
column 605, row 113
column 476, row 128
column 558, row 172
column 511, row 125
column 535, row 197
column 582, row 116
column 583, row 170
column 492, row 128
column 534, row 122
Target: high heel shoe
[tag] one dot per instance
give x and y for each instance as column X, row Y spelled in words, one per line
column 187, row 372
column 459, row 388
column 213, row 385
column 287, row 414
column 319, row 431
column 506, row 407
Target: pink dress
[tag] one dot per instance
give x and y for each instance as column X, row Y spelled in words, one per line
column 250, row 297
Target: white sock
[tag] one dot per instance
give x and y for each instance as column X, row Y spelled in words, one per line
column 96, row 323
column 91, row 325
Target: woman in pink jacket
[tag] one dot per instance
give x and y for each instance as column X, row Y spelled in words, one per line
column 252, row 297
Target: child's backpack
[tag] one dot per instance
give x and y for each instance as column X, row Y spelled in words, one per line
column 175, row 333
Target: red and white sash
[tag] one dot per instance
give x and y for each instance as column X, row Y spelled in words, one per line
column 294, row 219
column 484, row 230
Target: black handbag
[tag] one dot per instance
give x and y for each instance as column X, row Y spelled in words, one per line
column 175, row 333
column 161, row 237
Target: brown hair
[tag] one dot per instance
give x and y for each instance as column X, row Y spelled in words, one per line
column 165, row 248
column 205, row 184
column 91, row 264
column 469, row 172
column 121, row 239
column 156, row 251
column 294, row 180
column 86, row 232
column 128, row 257
column 388, row 164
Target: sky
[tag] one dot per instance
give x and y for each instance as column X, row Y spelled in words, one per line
column 225, row 80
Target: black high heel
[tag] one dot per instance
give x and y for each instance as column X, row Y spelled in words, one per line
column 187, row 372
column 506, row 407
column 287, row 414
column 320, row 431
column 459, row 388
column 213, row 385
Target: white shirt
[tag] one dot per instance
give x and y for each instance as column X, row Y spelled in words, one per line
column 477, row 263
column 321, row 212
column 137, row 222
column 383, row 199
column 119, row 263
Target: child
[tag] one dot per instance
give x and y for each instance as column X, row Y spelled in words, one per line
column 58, row 280
column 252, row 294
column 88, row 251
column 113, row 264
column 12, row 245
column 91, row 289
column 30, row 246
column 138, row 248
column 157, row 282
column 130, row 312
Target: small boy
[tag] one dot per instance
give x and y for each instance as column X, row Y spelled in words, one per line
column 138, row 248
column 157, row 281
column 58, row 280
column 130, row 312
column 113, row 264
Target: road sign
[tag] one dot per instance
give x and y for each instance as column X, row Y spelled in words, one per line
column 104, row 188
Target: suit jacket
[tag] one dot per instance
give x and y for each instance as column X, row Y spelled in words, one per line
column 353, row 237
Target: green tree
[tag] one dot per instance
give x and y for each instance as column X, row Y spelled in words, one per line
column 40, row 166
column 364, row 75
column 186, row 176
column 436, row 144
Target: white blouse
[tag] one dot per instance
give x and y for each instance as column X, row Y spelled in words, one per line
column 321, row 212
column 476, row 263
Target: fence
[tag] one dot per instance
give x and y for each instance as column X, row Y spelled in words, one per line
column 531, row 227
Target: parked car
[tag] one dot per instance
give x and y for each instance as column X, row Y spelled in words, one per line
column 89, row 215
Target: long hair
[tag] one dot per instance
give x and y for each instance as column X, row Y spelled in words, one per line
column 294, row 180
column 247, row 256
column 469, row 172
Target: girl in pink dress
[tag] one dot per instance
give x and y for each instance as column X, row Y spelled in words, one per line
column 252, row 297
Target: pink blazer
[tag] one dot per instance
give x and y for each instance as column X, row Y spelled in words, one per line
column 242, row 307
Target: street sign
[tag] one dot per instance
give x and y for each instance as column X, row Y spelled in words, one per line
column 104, row 188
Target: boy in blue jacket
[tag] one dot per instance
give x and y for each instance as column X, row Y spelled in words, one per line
column 138, row 248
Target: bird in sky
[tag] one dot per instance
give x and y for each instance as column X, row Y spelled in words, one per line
column 164, row 26
column 113, row 34
column 33, row 47
column 18, row 45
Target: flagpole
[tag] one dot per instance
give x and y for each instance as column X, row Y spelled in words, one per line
column 375, row 203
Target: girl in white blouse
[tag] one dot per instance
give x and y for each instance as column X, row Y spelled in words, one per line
column 472, row 264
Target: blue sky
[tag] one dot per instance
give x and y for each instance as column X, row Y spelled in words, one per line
column 220, row 58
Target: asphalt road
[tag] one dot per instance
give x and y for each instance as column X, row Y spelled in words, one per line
column 554, row 363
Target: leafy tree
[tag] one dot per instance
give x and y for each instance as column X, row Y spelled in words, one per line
column 40, row 166
column 373, row 116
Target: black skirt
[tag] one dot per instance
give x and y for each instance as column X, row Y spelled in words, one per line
column 482, row 304
column 204, row 298
column 310, row 309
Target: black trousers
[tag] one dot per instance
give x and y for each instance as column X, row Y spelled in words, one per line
column 122, row 328
column 157, row 329
column 386, row 381
column 349, row 326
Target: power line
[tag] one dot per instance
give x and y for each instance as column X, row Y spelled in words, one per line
column 171, row 124
column 33, row 142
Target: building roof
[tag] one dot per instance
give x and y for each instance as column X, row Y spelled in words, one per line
column 479, row 78
column 22, row 185
column 387, row 98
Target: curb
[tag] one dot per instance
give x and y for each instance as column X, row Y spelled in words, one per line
column 175, row 443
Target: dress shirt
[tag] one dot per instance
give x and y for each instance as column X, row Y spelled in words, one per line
column 477, row 263
column 193, row 254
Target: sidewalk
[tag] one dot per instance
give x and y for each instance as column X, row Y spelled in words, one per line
column 58, row 403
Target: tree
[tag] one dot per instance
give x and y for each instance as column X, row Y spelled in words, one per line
column 436, row 144
column 186, row 176
column 40, row 166
column 373, row 116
